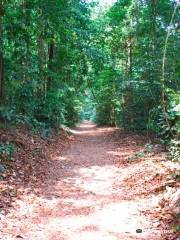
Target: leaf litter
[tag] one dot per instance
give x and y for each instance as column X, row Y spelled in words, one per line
column 89, row 185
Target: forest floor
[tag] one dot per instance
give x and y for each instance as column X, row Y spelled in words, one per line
column 103, row 186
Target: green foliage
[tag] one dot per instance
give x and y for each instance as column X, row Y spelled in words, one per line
column 170, row 120
column 2, row 169
column 174, row 149
column 87, row 107
column 46, row 131
column 148, row 149
column 61, row 63
column 6, row 154
column 175, row 175
column 128, row 87
column 6, row 114
column 44, row 52
column 107, row 98
column 6, row 151
column 171, row 124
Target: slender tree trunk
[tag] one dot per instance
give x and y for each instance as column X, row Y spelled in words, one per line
column 42, row 58
column 50, row 59
column 51, row 51
column 130, row 57
column 1, row 56
column 27, row 39
column 137, row 21
column 41, row 65
column 40, row 55
column 130, row 50
column 1, row 80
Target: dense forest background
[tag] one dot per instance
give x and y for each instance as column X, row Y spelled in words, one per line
column 63, row 61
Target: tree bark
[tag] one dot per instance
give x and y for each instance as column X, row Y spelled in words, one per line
column 50, row 59
column 1, row 56
column 130, row 50
column 40, row 54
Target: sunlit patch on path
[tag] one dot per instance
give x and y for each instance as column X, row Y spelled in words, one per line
column 90, row 195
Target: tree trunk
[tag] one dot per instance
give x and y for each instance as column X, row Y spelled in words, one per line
column 130, row 50
column 1, row 80
column 137, row 21
column 1, row 56
column 40, row 55
column 50, row 59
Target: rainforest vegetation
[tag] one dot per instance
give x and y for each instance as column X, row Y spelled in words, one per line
column 64, row 61
column 89, row 119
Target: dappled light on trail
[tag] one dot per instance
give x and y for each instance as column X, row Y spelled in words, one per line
column 110, row 62
column 89, row 128
column 91, row 193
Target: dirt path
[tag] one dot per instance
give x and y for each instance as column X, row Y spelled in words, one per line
column 92, row 193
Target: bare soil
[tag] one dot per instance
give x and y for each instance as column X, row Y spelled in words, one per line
column 97, row 189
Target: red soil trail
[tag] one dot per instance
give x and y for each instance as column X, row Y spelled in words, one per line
column 91, row 193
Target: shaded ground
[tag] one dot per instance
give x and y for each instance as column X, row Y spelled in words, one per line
column 96, row 189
